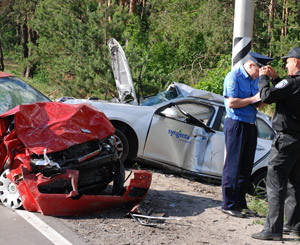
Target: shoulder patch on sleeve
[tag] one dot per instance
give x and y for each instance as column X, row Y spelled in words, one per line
column 281, row 84
column 231, row 85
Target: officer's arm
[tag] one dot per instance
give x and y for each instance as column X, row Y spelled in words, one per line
column 276, row 80
column 238, row 102
column 231, row 92
column 270, row 94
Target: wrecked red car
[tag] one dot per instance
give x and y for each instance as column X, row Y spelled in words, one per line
column 59, row 159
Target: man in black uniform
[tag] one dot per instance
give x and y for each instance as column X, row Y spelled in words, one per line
column 283, row 177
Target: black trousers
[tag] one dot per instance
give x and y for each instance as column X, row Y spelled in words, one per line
column 283, row 183
column 240, row 143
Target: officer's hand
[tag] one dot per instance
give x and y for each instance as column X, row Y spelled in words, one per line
column 263, row 71
column 260, row 104
column 271, row 72
column 268, row 71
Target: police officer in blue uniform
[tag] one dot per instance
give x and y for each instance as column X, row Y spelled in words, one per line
column 283, row 177
column 241, row 99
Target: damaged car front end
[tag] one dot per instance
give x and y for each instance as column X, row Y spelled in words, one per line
column 61, row 159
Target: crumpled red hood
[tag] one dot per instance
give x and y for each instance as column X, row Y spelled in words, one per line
column 57, row 126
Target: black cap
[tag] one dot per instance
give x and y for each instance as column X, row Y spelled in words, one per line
column 294, row 53
column 259, row 59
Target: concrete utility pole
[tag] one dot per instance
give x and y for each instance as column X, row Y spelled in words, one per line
column 242, row 33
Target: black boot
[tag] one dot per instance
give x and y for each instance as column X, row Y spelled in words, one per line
column 290, row 231
column 267, row 235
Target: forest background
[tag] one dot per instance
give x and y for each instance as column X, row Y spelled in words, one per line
column 60, row 46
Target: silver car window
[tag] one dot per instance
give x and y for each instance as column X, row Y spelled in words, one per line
column 200, row 111
column 263, row 130
column 219, row 122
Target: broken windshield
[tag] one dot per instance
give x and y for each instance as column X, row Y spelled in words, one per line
column 14, row 92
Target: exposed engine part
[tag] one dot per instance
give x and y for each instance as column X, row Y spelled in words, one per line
column 46, row 162
column 92, row 159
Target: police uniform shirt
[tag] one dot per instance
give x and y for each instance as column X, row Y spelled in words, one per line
column 238, row 84
column 286, row 94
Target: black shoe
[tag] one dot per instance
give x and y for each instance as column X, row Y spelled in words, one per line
column 267, row 235
column 234, row 213
column 286, row 230
column 289, row 231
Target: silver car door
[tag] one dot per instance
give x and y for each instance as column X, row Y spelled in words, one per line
column 216, row 148
column 265, row 135
column 174, row 140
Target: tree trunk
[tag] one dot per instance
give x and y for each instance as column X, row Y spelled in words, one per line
column 132, row 6
column 143, row 7
column 33, row 39
column 271, row 17
column 1, row 58
column 123, row 3
column 297, row 11
column 109, row 4
column 18, row 34
column 24, row 38
column 284, row 18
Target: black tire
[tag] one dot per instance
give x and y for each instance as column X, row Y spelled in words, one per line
column 119, row 178
column 258, row 185
column 5, row 166
column 122, row 145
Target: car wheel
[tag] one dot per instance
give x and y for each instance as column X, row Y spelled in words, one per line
column 119, row 178
column 258, row 186
column 9, row 194
column 122, row 145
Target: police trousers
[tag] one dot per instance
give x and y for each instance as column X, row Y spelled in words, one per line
column 240, row 143
column 283, row 183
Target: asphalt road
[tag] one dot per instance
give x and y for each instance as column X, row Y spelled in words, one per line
column 23, row 227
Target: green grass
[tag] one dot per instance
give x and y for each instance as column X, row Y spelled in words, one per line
column 137, row 166
column 51, row 90
column 268, row 109
column 258, row 222
column 258, row 204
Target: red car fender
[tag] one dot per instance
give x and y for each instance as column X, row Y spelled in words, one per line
column 26, row 196
column 3, row 155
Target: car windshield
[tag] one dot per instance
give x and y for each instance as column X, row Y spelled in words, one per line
column 14, row 92
column 160, row 97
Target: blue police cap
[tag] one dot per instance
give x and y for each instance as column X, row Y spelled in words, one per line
column 259, row 59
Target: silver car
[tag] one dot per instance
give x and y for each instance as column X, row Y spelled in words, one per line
column 180, row 129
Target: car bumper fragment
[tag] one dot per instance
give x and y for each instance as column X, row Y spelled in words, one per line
column 72, row 203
